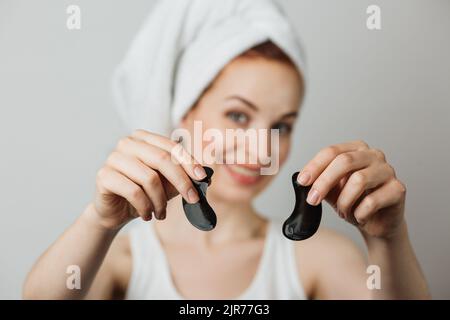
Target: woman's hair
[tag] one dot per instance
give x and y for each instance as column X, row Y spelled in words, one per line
column 268, row 50
column 271, row 51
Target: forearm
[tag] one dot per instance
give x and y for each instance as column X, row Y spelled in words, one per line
column 401, row 275
column 84, row 245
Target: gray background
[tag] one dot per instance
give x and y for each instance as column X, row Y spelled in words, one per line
column 57, row 125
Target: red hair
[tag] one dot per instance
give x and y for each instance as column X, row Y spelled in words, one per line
column 268, row 50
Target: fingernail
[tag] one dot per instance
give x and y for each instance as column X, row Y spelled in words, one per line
column 304, row 178
column 200, row 172
column 192, row 196
column 313, row 197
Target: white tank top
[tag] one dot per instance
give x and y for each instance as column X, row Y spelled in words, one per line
column 276, row 276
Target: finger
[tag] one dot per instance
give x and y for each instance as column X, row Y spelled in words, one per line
column 339, row 167
column 359, row 182
column 317, row 165
column 334, row 193
column 112, row 181
column 177, row 151
column 159, row 159
column 391, row 193
column 147, row 178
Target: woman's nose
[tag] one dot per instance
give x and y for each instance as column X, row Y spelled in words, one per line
column 259, row 146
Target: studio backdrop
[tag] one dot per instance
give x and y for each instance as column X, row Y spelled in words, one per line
column 389, row 86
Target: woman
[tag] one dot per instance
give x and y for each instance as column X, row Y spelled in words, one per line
column 258, row 84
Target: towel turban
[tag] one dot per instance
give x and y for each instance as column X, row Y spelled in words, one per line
column 181, row 48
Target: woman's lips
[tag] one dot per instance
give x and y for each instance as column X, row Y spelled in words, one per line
column 244, row 175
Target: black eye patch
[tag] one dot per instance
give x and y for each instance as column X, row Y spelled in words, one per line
column 300, row 225
column 200, row 214
column 305, row 218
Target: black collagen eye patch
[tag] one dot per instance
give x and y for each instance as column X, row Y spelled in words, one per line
column 200, row 214
column 305, row 218
column 301, row 224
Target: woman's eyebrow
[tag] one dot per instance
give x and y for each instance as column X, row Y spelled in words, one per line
column 292, row 114
column 244, row 101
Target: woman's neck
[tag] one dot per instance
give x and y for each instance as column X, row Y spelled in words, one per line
column 235, row 222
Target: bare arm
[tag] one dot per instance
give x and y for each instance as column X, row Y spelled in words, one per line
column 362, row 187
column 401, row 275
column 137, row 180
column 84, row 245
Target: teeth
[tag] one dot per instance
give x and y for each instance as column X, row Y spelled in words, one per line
column 244, row 171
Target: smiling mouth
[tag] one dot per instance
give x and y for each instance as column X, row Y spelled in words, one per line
column 243, row 174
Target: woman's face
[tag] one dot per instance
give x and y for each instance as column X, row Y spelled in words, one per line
column 251, row 93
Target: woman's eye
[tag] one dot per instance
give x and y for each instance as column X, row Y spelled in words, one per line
column 238, row 117
column 283, row 128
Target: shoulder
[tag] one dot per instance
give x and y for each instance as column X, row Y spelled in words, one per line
column 326, row 257
column 120, row 248
column 111, row 280
column 121, row 259
column 327, row 242
column 118, row 262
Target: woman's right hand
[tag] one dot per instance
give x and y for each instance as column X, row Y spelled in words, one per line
column 140, row 176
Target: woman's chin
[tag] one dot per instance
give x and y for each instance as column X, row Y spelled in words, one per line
column 230, row 196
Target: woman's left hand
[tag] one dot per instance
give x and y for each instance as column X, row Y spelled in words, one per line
column 360, row 185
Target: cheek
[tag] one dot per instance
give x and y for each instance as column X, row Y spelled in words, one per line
column 285, row 149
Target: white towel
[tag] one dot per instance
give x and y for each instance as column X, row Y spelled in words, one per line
column 181, row 48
